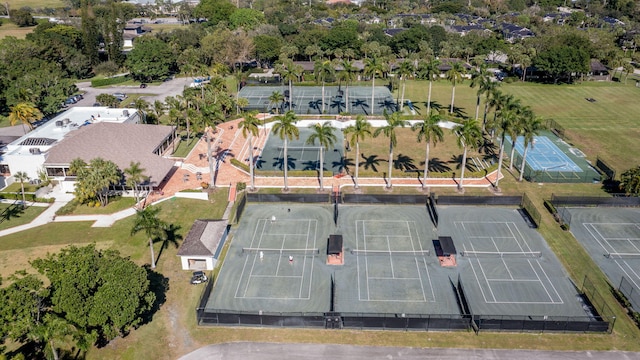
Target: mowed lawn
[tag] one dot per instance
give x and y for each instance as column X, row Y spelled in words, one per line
column 10, row 29
column 607, row 128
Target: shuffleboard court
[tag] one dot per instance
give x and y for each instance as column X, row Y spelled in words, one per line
column 506, row 268
column 611, row 236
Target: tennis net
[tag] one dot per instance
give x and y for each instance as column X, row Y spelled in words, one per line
column 300, row 148
column 391, row 253
column 618, row 255
column 501, row 254
column 282, row 252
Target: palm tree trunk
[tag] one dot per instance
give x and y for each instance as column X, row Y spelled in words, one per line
column 357, row 162
column 429, row 99
column 500, row 157
column 484, row 116
column 464, row 165
column 323, row 96
column 290, row 95
column 524, row 158
column 477, row 108
column 404, row 84
column 513, row 151
column 453, row 96
column 390, row 163
column 24, row 200
column 253, row 187
column 210, row 159
column 346, row 97
column 321, row 170
column 153, row 256
column 373, row 85
column 426, row 165
column 285, row 164
column 56, row 356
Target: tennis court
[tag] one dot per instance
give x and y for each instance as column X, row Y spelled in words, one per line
column 506, row 267
column 308, row 99
column 551, row 159
column 611, row 236
column 302, row 156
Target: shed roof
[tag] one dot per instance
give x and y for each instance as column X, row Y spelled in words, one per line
column 203, row 238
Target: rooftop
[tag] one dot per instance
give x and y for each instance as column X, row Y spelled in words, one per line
column 203, row 238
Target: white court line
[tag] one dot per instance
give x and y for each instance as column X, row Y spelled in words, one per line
column 524, row 240
column 278, row 276
column 506, row 267
column 631, row 269
column 255, row 257
column 392, row 278
column 413, row 247
column 366, row 261
column 549, row 280
column 390, row 258
column 315, row 236
column 358, row 262
column 597, row 238
column 473, row 268
column 484, row 275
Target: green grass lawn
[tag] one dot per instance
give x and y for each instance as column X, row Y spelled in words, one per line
column 184, row 147
column 8, row 28
column 114, row 205
column 15, row 215
column 36, row 4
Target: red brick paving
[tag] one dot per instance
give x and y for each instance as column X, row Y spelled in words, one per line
column 228, row 138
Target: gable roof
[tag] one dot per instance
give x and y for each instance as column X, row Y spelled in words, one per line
column 203, row 238
column 120, row 143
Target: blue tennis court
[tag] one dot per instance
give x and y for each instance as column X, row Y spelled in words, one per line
column 544, row 155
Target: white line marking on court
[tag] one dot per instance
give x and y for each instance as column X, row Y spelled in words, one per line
column 392, row 278
column 315, row 236
column 589, row 227
column 629, row 276
column 358, row 263
column 549, row 280
column 277, row 276
column 390, row 258
column 366, row 261
column 413, row 247
column 484, row 275
column 255, row 257
column 473, row 268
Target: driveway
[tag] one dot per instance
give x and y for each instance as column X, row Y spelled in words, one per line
column 152, row 92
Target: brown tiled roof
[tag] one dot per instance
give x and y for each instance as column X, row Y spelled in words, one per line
column 203, row 238
column 120, row 143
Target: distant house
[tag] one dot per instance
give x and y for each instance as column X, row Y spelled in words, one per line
column 597, row 71
column 465, row 29
column 202, row 245
column 132, row 31
column 612, row 21
column 446, row 65
column 512, row 33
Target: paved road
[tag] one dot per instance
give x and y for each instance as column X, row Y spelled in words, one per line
column 264, row 351
column 154, row 92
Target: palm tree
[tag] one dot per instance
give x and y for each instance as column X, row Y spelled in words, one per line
column 325, row 136
column 430, row 71
column 22, row 177
column 394, row 121
column 531, row 127
column 24, row 113
column 285, row 127
column 455, row 75
column 429, row 130
column 147, row 220
column 507, row 117
column 515, row 130
column 135, row 177
column 51, row 331
column 142, row 106
column 373, row 66
column 276, row 98
column 468, row 136
column 323, row 69
column 249, row 126
column 357, row 132
column 290, row 72
column 490, row 90
column 405, row 70
column 348, row 75
column 481, row 79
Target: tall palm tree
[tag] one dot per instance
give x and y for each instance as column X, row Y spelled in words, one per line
column 325, row 136
column 357, row 132
column 468, row 136
column 429, row 129
column 373, row 66
column 481, row 79
column 506, row 118
column 290, row 72
column 347, row 75
column 455, row 75
column 531, row 127
column 276, row 99
column 394, row 121
column 490, row 90
column 249, row 126
column 22, row 177
column 135, row 177
column 430, row 71
column 147, row 220
column 24, row 113
column 515, row 130
column 405, row 70
column 323, row 70
column 285, row 127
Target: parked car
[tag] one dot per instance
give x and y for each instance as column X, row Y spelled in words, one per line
column 97, row 104
column 199, row 277
column 143, row 86
column 120, row 96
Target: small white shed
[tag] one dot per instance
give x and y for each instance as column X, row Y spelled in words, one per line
column 202, row 245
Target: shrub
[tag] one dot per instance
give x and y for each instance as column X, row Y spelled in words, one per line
column 552, row 209
column 204, row 185
column 241, row 186
column 239, row 164
column 108, row 81
column 69, row 208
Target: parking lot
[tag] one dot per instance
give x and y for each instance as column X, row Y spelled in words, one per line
column 153, row 92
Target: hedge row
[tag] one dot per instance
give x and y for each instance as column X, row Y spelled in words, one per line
column 108, row 81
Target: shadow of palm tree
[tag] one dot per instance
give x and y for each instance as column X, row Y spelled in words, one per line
column 487, row 147
column 159, row 285
column 434, row 105
column 316, row 105
column 404, row 163
column 259, row 163
column 437, row 165
column 389, row 105
column 362, row 104
column 370, row 162
column 457, row 159
column 13, row 211
column 171, row 237
column 311, row 165
column 459, row 112
column 341, row 164
column 278, row 163
column 338, row 103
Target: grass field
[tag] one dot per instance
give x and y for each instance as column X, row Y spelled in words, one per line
column 18, row 216
column 36, row 4
column 10, row 29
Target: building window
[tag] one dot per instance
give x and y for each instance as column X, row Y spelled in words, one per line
column 4, row 169
column 55, row 171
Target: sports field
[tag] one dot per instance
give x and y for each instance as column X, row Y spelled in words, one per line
column 611, row 236
column 506, row 268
